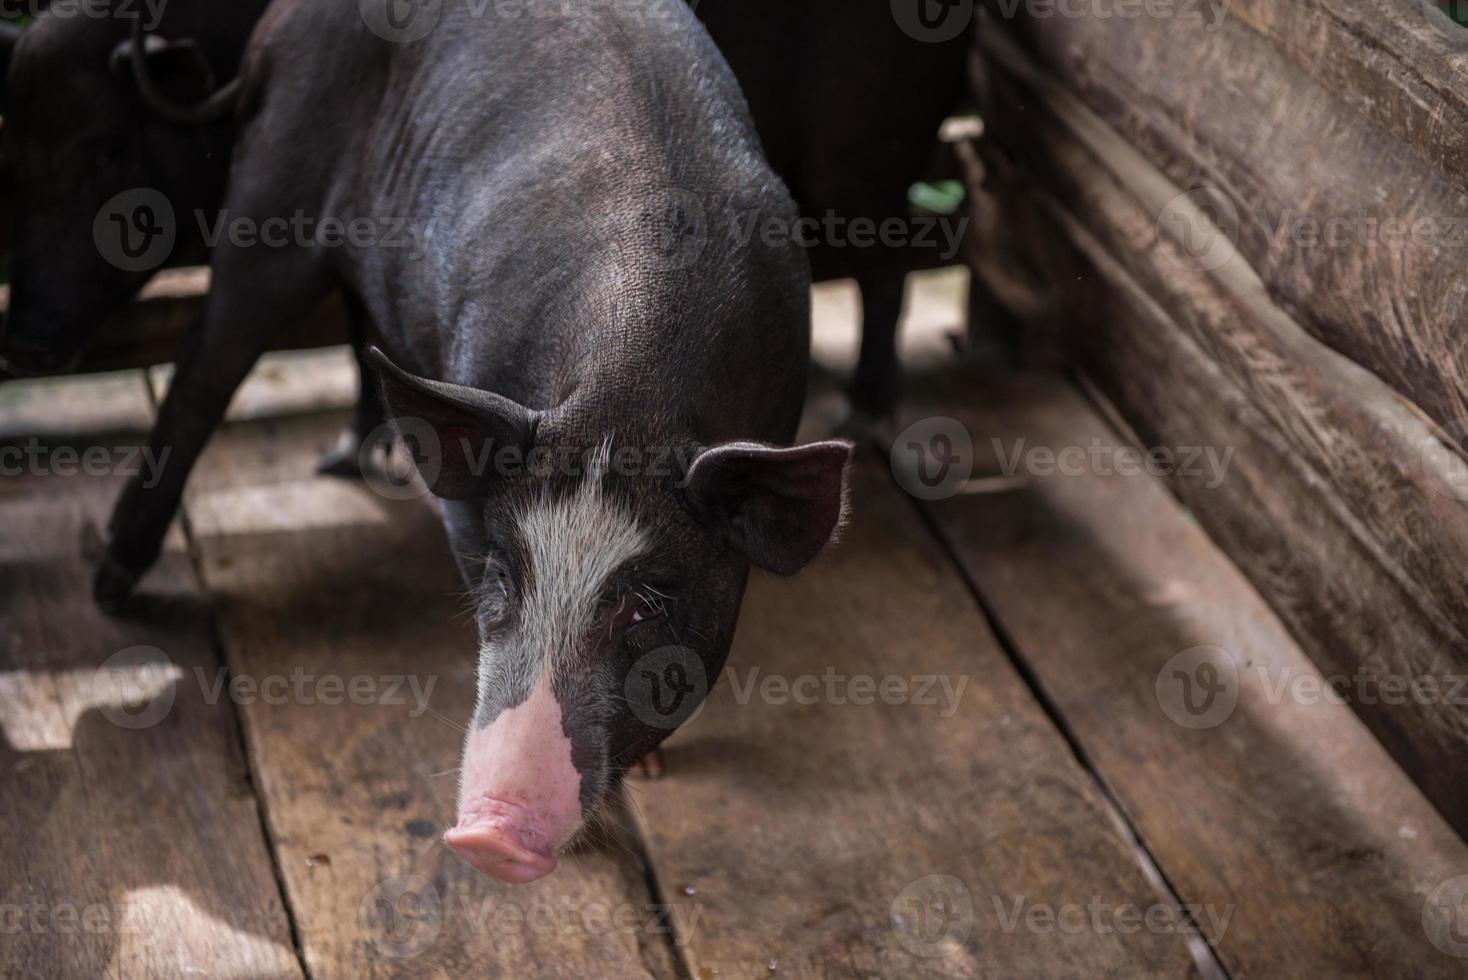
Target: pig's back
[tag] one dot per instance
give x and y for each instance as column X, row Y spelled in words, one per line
column 511, row 145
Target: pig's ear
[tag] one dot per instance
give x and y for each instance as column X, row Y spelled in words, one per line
column 471, row 427
column 777, row 507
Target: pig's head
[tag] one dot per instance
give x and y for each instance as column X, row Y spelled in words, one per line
column 606, row 594
column 93, row 109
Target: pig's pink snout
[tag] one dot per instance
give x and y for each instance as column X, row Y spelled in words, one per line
column 519, row 792
column 502, row 848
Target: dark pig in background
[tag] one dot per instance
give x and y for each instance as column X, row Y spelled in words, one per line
column 562, row 307
column 110, row 116
column 848, row 98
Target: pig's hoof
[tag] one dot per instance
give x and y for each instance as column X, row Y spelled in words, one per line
column 650, row 766
column 341, row 464
column 113, row 584
column 352, row 459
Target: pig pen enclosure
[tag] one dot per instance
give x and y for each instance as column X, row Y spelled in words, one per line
column 1162, row 676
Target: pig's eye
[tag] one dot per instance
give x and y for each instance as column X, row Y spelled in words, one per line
column 648, row 607
column 494, row 595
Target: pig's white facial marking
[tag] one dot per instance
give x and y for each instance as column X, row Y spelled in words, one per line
column 572, row 544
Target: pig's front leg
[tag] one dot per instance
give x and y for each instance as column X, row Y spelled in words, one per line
column 874, row 388
column 352, row 457
column 254, row 292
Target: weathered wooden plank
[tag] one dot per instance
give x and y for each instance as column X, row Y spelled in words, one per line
column 133, row 840
column 1272, row 795
column 320, row 579
column 804, row 821
column 1342, row 505
column 74, row 408
column 65, row 426
column 1353, row 232
column 1404, row 71
column 1404, row 489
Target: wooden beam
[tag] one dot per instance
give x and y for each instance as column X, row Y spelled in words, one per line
column 1341, row 504
column 1350, row 205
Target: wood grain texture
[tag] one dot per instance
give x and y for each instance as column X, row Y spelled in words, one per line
column 1405, row 70
column 803, row 830
column 1356, row 235
column 322, row 579
column 1342, row 505
column 1399, row 487
column 133, row 844
column 1280, row 802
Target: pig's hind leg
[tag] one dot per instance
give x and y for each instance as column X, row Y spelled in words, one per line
column 256, row 291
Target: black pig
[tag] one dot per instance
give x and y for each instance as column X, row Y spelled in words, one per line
column 568, row 307
column 847, row 97
column 91, row 114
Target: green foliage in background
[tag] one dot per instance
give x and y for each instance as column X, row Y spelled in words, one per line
column 944, row 197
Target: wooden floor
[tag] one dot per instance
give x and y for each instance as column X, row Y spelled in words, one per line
column 1017, row 801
